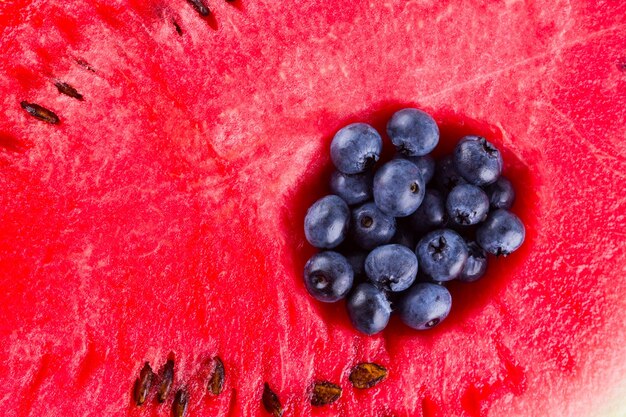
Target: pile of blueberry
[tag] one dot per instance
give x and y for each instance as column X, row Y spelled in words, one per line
column 392, row 237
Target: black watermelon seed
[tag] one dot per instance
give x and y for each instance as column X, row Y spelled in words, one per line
column 143, row 384
column 68, row 90
column 40, row 113
column 181, row 400
column 179, row 30
column 85, row 65
column 200, row 7
column 271, row 403
column 167, row 378
column 216, row 382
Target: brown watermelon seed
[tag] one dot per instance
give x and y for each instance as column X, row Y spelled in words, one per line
column 143, row 384
column 367, row 375
column 85, row 65
column 40, row 113
column 324, row 393
column 68, row 90
column 167, row 378
column 271, row 403
column 216, row 382
column 179, row 30
column 181, row 399
column 200, row 7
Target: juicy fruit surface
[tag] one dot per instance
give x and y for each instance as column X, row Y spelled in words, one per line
column 181, row 181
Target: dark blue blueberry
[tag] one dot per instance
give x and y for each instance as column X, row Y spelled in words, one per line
column 425, row 305
column 354, row 189
column 477, row 160
column 467, row 205
column 391, row 267
column 398, row 188
column 502, row 233
column 442, row 254
column 371, row 227
column 431, row 214
column 328, row 276
column 501, row 194
column 326, row 222
column 355, row 148
column 369, row 309
column 413, row 132
column 426, row 165
column 476, row 264
column 446, row 175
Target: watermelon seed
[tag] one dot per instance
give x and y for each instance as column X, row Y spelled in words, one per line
column 179, row 408
column 216, row 382
column 179, row 30
column 367, row 375
column 85, row 65
column 40, row 113
column 143, row 384
column 621, row 64
column 68, row 90
column 200, row 7
column 271, row 402
column 324, row 393
column 167, row 377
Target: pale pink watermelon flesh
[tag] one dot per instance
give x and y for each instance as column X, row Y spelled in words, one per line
column 164, row 213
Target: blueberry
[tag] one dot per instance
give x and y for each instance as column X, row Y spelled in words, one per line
column 425, row 305
column 426, row 165
column 446, row 175
column 413, row 132
column 501, row 194
column 354, row 189
column 371, row 227
column 355, row 148
column 328, row 276
column 442, row 254
column 477, row 160
column 391, row 267
column 431, row 214
column 502, row 233
column 398, row 188
column 467, row 204
column 326, row 222
column 476, row 264
column 368, row 308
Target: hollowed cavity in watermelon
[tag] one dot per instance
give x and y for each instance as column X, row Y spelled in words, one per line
column 452, row 127
column 163, row 213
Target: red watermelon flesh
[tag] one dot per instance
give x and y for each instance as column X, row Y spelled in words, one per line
column 163, row 213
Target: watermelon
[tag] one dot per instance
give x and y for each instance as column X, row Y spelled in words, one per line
column 157, row 159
